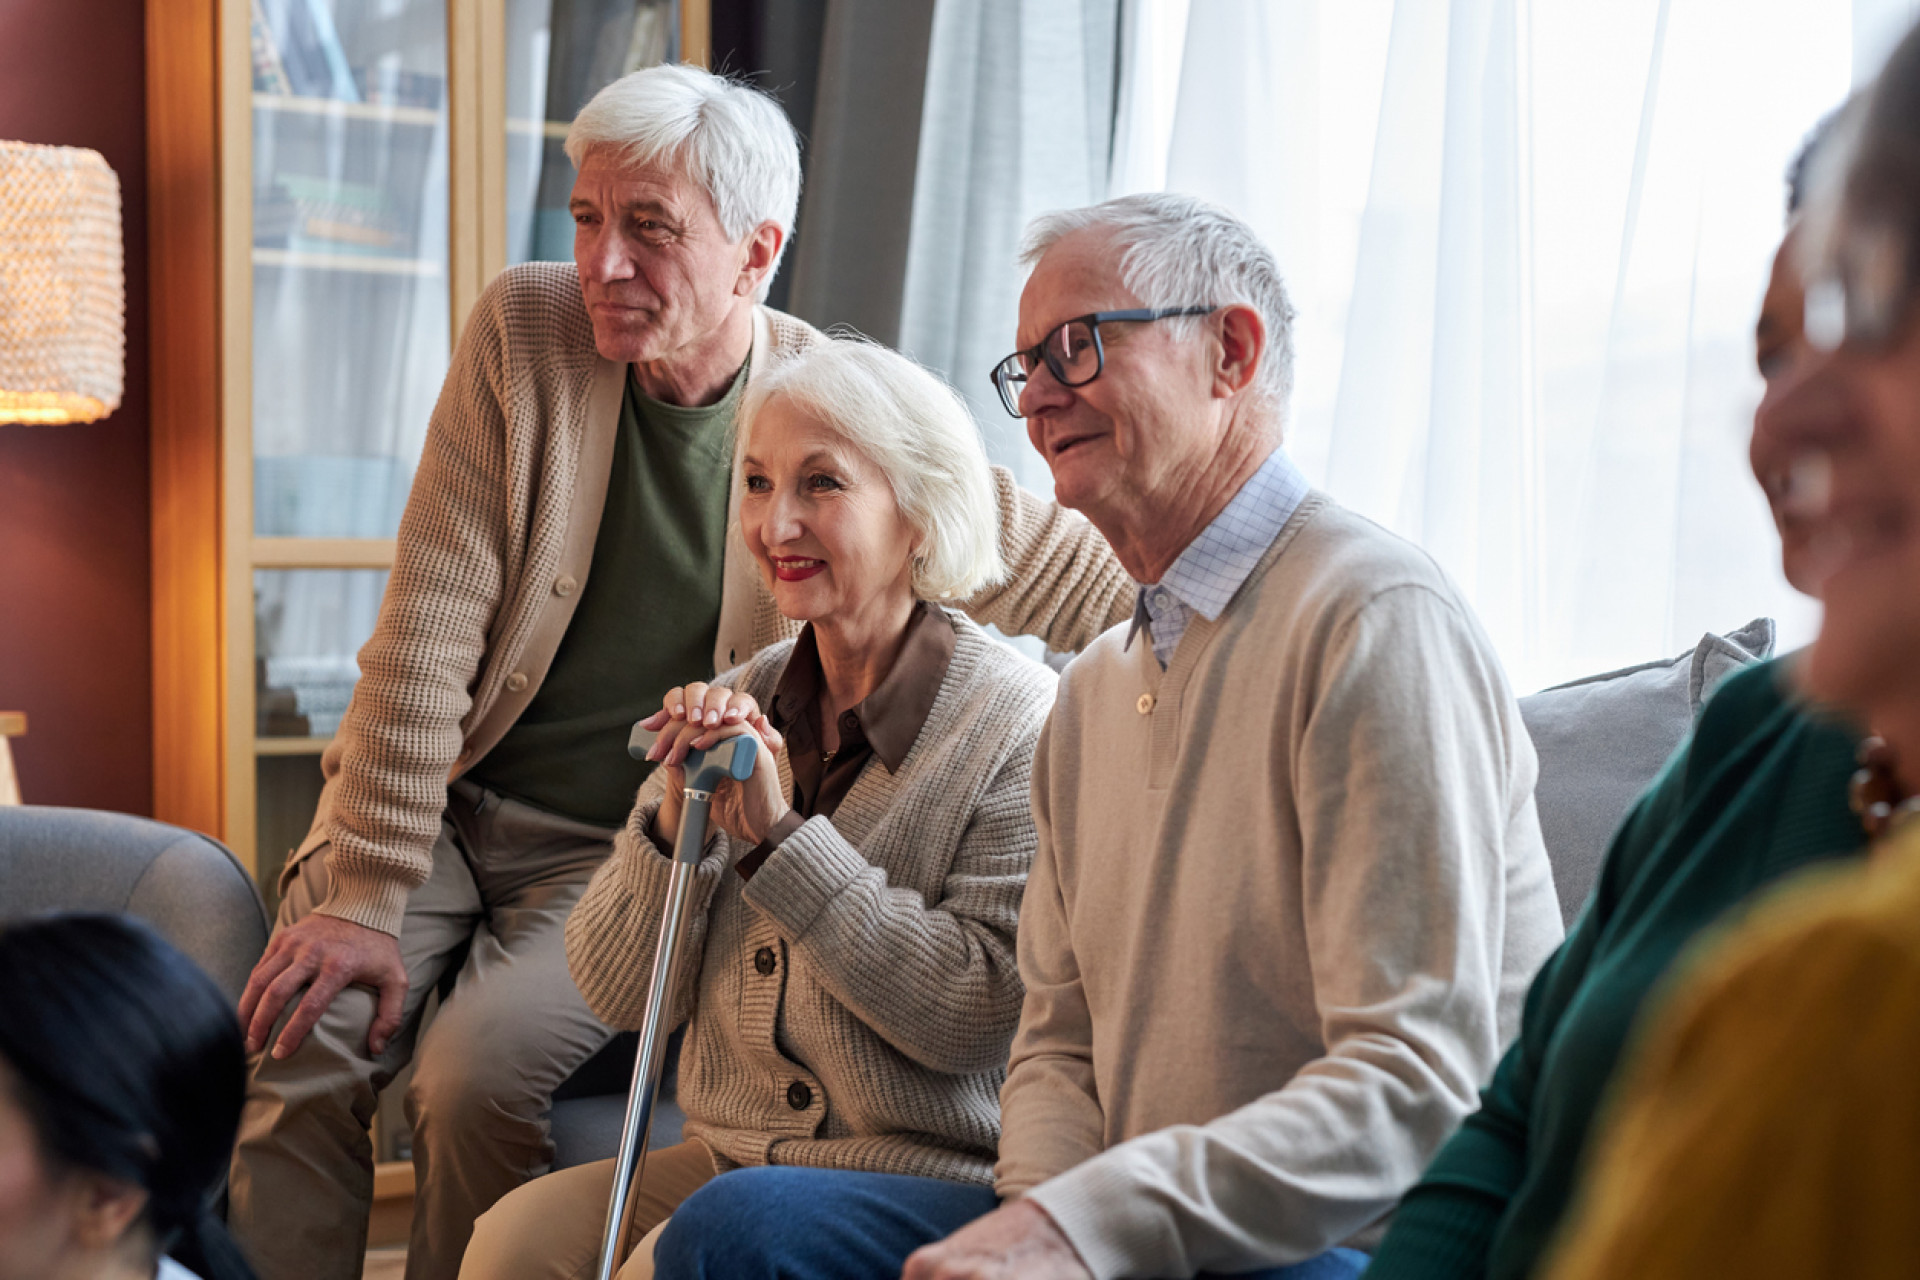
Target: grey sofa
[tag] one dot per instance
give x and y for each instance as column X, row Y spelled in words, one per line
column 1602, row 739
column 186, row 885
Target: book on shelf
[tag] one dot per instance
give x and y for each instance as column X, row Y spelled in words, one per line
column 393, row 86
column 323, row 215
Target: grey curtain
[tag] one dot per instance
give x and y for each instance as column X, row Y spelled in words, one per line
column 1017, row 120
column 850, row 253
column 939, row 128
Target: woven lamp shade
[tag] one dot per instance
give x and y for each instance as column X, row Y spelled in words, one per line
column 63, row 291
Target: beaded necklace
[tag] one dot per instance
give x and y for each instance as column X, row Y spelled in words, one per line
column 1875, row 794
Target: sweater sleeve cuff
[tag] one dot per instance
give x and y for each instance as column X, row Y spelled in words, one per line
column 1096, row 1206
column 789, row 823
column 811, row 867
column 370, row 901
column 1437, row 1235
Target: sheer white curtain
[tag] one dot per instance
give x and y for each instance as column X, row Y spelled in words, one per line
column 1017, row 119
column 1527, row 241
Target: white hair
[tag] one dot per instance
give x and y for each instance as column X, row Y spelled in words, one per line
column 725, row 135
column 1179, row 251
column 917, row 430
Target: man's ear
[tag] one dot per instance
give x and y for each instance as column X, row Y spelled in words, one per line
column 763, row 249
column 104, row 1209
column 1243, row 344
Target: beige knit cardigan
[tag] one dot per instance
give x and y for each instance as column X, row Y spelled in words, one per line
column 894, row 989
column 494, row 550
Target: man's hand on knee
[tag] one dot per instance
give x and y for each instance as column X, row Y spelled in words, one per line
column 324, row 954
column 1017, row 1241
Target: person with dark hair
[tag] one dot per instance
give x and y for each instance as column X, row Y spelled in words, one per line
column 121, row 1077
column 1758, row 791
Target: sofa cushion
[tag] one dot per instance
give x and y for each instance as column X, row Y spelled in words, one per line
column 1602, row 739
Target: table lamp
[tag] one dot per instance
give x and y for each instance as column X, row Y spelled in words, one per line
column 63, row 305
column 62, row 285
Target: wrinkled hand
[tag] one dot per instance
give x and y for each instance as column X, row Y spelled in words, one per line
column 696, row 717
column 1017, row 1241
column 325, row 955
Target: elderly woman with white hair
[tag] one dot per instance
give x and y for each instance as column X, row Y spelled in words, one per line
column 850, row 982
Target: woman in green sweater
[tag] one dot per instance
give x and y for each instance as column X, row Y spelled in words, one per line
column 1759, row 790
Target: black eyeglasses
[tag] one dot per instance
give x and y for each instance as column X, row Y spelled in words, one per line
column 1072, row 352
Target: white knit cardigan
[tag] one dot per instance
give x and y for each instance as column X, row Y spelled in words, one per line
column 878, row 1040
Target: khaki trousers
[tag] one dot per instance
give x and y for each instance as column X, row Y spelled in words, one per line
column 486, row 928
column 551, row 1229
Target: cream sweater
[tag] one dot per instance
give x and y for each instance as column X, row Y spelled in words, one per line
column 1288, row 896
column 495, row 546
column 894, row 988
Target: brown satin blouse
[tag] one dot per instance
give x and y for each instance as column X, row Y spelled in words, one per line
column 884, row 724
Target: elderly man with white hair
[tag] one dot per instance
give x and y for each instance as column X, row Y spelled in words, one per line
column 1289, row 887
column 564, row 560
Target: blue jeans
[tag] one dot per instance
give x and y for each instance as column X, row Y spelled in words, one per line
column 816, row 1224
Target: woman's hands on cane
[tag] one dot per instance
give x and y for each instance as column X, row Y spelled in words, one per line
column 695, row 717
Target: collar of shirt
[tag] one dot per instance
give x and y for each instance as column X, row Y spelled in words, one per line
column 890, row 718
column 1215, row 564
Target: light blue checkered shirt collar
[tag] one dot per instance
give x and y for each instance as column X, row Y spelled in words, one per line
column 1213, row 566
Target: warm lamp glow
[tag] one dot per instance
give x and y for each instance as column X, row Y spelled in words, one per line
column 62, row 285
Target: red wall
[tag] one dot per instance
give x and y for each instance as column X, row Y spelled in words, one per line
column 74, row 577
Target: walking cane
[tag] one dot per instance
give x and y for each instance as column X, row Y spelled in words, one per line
column 732, row 758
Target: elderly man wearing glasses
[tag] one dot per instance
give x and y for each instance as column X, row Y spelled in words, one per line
column 1289, row 887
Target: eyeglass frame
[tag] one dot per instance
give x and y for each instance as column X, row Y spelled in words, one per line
column 1040, row 354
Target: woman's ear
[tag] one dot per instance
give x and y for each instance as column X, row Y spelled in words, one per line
column 104, row 1209
column 1243, row 344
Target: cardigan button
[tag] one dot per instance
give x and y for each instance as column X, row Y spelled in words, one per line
column 564, row 584
column 516, row 682
column 1145, row 704
column 799, row 1097
column 763, row 961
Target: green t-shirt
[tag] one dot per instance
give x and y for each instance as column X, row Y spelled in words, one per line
column 647, row 617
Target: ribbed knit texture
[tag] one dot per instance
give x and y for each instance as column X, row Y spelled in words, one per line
column 1757, row 791
column 492, row 550
column 895, row 988
column 1287, row 898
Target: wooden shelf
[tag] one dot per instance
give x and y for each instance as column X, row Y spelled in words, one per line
column 290, row 746
column 369, row 264
column 337, row 109
column 556, row 129
column 323, row 553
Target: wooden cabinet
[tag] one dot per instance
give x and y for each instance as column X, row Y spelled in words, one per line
column 333, row 183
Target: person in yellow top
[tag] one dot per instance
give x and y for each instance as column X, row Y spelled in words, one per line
column 1770, row 1125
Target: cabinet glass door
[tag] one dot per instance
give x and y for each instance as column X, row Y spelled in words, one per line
column 350, row 270
column 350, row 341
column 559, row 54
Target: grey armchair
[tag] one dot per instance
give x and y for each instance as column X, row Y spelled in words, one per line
column 184, row 884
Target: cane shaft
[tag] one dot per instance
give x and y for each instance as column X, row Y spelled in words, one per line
column 631, row 1163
